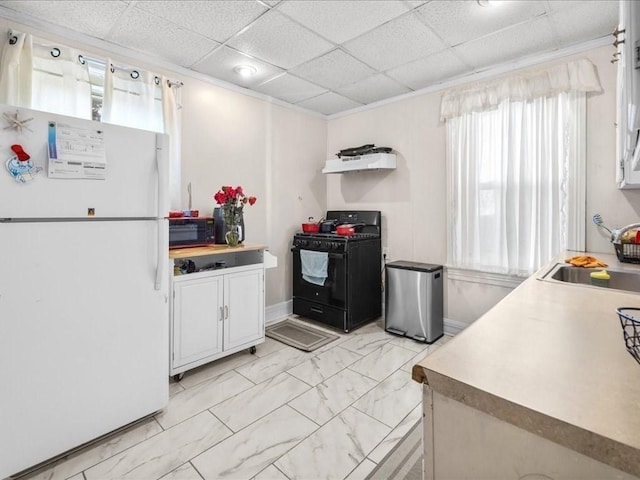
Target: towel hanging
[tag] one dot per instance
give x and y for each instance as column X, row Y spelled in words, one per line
column 314, row 266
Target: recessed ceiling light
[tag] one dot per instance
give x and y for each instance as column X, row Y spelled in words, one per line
column 486, row 3
column 245, row 71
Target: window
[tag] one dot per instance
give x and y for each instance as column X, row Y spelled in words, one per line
column 517, row 173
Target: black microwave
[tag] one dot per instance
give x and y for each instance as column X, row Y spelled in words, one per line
column 191, row 232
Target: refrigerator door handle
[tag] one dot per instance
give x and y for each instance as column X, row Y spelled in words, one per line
column 163, row 249
column 162, row 165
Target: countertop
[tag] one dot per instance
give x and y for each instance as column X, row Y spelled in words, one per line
column 550, row 358
column 213, row 250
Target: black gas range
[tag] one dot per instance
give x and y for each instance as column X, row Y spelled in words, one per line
column 337, row 278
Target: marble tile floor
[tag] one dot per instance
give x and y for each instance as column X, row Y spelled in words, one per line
column 279, row 414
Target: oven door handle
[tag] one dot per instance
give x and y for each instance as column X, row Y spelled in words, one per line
column 339, row 256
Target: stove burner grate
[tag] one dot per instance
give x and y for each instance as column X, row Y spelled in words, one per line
column 335, row 236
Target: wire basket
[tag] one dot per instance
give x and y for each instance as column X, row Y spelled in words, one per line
column 631, row 329
column 628, row 252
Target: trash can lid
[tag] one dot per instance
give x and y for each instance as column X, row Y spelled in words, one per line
column 422, row 267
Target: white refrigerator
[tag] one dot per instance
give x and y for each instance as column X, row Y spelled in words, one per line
column 83, row 282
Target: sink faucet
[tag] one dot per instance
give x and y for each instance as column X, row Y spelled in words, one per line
column 616, row 235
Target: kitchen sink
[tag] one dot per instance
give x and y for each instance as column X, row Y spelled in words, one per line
column 620, row 280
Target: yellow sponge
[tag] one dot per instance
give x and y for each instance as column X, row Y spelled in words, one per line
column 601, row 275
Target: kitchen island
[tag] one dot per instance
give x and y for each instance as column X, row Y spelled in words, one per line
column 217, row 303
column 540, row 387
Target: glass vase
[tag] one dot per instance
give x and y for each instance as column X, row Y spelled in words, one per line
column 233, row 235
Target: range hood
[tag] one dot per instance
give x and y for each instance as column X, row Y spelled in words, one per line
column 374, row 161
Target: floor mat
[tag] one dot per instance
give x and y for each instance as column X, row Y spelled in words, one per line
column 299, row 336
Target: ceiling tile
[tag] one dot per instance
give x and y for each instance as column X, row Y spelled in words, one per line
column 558, row 5
column 290, row 88
column 458, row 21
column 94, row 18
column 280, row 41
column 220, row 64
column 415, row 3
column 429, row 70
column 509, row 45
column 394, row 43
column 329, row 103
column 585, row 20
column 217, row 20
column 148, row 33
column 372, row 89
column 340, row 21
column 333, row 70
column 409, row 41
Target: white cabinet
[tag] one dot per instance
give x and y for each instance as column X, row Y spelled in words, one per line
column 216, row 313
column 491, row 448
column 627, row 57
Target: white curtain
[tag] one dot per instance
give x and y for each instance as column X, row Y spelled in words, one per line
column 16, row 67
column 43, row 77
column 517, row 171
column 172, row 124
column 61, row 81
column 132, row 98
column 578, row 76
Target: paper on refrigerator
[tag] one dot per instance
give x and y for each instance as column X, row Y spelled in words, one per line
column 76, row 152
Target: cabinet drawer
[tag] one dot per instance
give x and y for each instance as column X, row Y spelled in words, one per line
column 336, row 317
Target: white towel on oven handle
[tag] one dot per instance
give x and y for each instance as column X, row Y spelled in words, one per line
column 314, row 266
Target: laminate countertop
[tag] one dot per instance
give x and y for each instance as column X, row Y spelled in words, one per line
column 550, row 358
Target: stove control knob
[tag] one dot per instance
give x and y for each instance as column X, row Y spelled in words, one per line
column 335, row 245
column 317, row 243
column 301, row 243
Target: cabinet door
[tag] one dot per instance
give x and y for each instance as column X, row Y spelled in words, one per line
column 244, row 299
column 197, row 319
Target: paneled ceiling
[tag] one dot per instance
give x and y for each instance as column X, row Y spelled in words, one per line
column 330, row 56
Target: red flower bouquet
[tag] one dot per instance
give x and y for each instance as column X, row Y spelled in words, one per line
column 232, row 201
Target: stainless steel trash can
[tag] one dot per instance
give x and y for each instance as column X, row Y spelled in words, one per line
column 414, row 300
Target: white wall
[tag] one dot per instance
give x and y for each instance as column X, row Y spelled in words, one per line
column 298, row 188
column 275, row 153
column 413, row 197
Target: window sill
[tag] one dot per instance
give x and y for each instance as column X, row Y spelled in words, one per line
column 485, row 278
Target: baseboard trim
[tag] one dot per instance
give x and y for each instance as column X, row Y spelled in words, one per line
column 275, row 313
column 279, row 311
column 453, row 327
